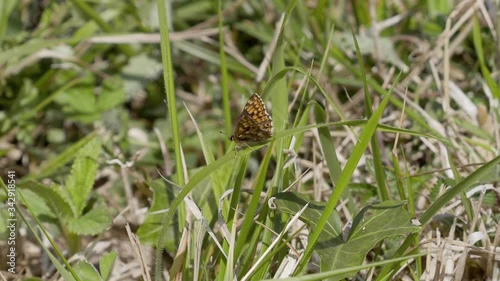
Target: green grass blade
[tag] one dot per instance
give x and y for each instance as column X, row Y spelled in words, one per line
column 377, row 158
column 168, row 77
column 478, row 45
column 62, row 159
column 328, row 146
column 224, row 75
column 345, row 177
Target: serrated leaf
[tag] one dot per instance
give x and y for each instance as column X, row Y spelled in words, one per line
column 80, row 103
column 79, row 99
column 39, row 206
column 137, row 64
column 81, row 179
column 106, row 264
column 291, row 203
column 86, row 271
column 91, row 223
column 28, row 48
column 112, row 95
column 52, row 198
column 52, row 165
column 371, row 225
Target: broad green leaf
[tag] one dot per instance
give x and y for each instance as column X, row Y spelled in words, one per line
column 148, row 232
column 81, row 180
column 371, row 225
column 91, row 223
column 86, row 271
column 52, row 198
column 292, row 202
column 134, row 75
column 81, row 103
column 39, row 205
column 106, row 264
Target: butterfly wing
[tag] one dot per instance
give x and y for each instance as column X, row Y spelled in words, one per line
column 254, row 124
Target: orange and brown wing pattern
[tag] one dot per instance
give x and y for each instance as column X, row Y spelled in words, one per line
column 254, row 124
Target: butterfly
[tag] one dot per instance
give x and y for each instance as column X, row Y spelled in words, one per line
column 254, row 125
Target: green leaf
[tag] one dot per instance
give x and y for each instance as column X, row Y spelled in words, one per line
column 80, row 102
column 86, row 271
column 327, row 145
column 38, row 202
column 134, row 75
column 371, row 225
column 28, row 48
column 106, row 264
column 91, row 223
column 112, row 95
column 52, row 198
column 81, row 180
column 478, row 45
column 148, row 232
column 54, row 164
column 292, row 202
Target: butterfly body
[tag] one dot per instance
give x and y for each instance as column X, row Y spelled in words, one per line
column 254, row 125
